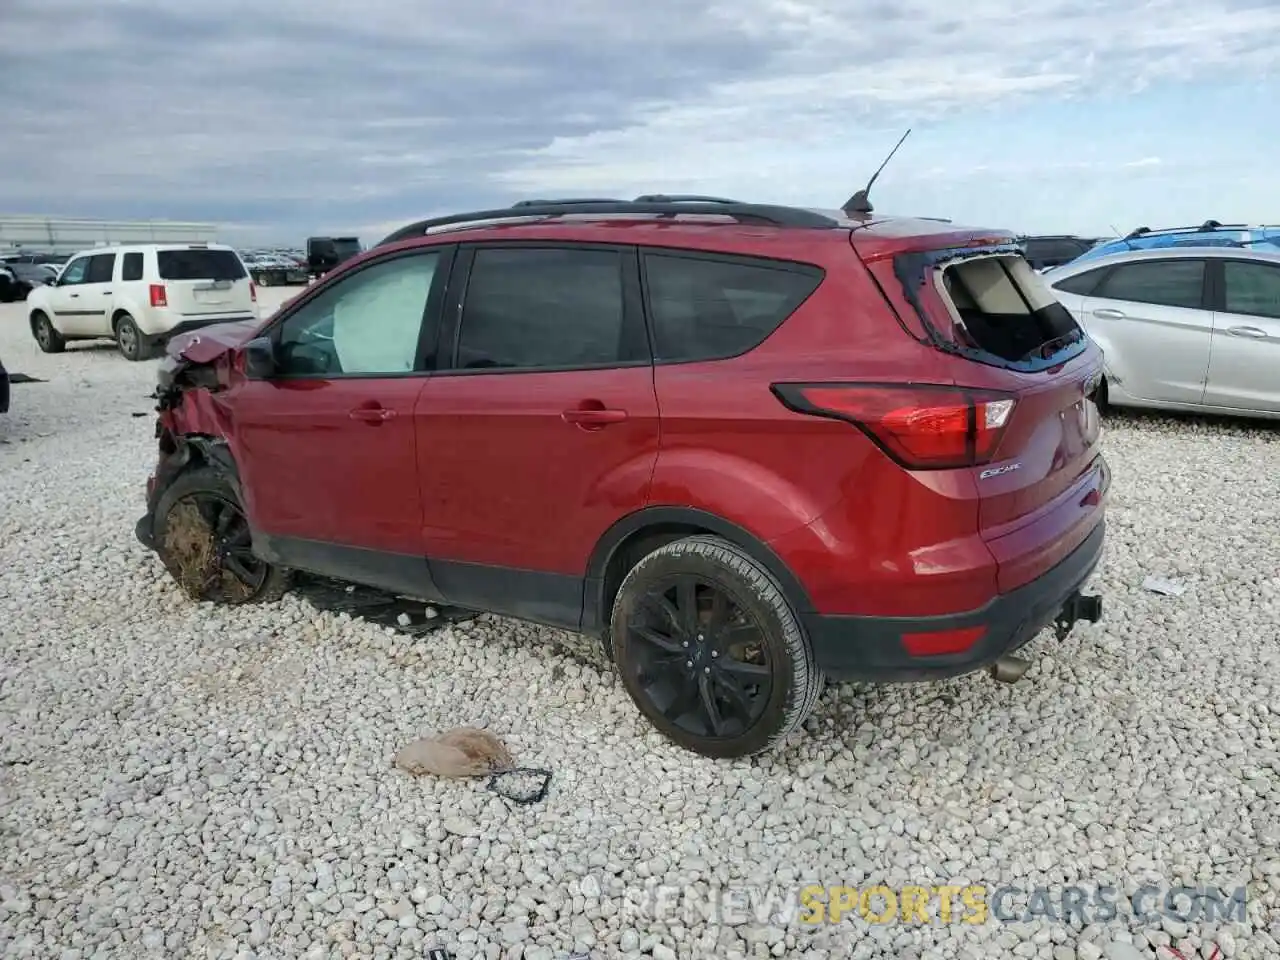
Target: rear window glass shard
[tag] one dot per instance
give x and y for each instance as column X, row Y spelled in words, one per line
column 197, row 264
column 988, row 303
column 704, row 308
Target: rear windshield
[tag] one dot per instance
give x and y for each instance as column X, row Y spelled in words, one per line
column 999, row 305
column 197, row 264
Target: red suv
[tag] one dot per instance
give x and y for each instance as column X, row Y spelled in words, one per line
column 750, row 447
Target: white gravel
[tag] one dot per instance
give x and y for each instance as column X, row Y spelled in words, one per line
column 187, row 781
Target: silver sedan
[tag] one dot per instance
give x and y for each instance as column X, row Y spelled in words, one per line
column 1195, row 329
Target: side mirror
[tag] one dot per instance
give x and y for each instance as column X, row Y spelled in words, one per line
column 260, row 358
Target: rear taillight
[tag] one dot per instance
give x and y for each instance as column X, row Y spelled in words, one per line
column 158, row 297
column 253, row 291
column 922, row 426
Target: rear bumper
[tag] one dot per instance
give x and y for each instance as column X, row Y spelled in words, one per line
column 199, row 323
column 873, row 648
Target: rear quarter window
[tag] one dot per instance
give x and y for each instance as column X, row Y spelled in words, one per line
column 197, row 264
column 705, row 308
column 131, row 269
column 1082, row 284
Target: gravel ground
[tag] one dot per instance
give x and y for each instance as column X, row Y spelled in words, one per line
column 178, row 780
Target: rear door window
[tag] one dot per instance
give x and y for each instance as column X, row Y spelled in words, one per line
column 1165, row 283
column 131, row 269
column 707, row 308
column 545, row 308
column 100, row 269
column 1252, row 289
column 198, row 264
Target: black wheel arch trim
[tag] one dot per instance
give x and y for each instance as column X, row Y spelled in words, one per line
column 188, row 449
column 595, row 615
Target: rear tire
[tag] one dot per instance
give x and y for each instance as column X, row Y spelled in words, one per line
column 710, row 650
column 264, row 279
column 48, row 339
column 133, row 345
column 204, row 541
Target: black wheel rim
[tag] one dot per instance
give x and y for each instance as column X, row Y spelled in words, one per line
column 700, row 658
column 212, row 546
column 42, row 332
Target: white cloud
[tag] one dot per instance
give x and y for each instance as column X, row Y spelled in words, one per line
column 322, row 111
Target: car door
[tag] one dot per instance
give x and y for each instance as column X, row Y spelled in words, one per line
column 1155, row 327
column 326, row 445
column 541, row 428
column 1244, row 371
column 94, row 296
column 67, row 310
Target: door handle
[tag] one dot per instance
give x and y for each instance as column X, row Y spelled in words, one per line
column 106, row 293
column 372, row 414
column 593, row 418
column 1253, row 333
column 1108, row 314
column 75, row 294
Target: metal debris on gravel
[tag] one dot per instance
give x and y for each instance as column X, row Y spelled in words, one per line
column 184, row 780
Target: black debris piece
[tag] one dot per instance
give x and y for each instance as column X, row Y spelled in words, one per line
column 522, row 785
column 378, row 606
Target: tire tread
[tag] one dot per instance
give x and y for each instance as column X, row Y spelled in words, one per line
column 807, row 678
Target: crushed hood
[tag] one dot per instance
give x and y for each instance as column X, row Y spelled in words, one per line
column 208, row 343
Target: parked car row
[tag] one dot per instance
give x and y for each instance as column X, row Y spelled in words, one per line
column 18, row 278
column 275, row 268
column 1045, row 252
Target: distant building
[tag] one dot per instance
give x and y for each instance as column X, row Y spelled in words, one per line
column 58, row 235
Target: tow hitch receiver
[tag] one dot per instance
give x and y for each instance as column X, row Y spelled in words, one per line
column 1078, row 607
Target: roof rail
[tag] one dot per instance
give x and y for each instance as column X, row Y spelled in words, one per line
column 1207, row 227
column 680, row 198
column 755, row 213
column 566, row 201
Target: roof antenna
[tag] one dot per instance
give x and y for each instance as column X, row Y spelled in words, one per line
column 1123, row 239
column 860, row 202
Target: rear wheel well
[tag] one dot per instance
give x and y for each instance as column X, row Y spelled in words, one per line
column 634, row 548
column 115, row 319
column 638, row 535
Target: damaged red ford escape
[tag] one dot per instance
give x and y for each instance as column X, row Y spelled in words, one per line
column 749, row 447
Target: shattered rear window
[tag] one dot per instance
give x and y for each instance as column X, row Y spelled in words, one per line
column 1000, row 305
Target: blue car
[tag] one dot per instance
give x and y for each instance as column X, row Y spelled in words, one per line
column 1211, row 233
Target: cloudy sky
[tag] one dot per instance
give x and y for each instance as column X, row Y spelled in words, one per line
column 283, row 118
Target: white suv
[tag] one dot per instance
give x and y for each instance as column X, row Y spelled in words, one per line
column 140, row 296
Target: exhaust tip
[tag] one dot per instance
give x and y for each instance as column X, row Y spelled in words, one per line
column 1009, row 669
